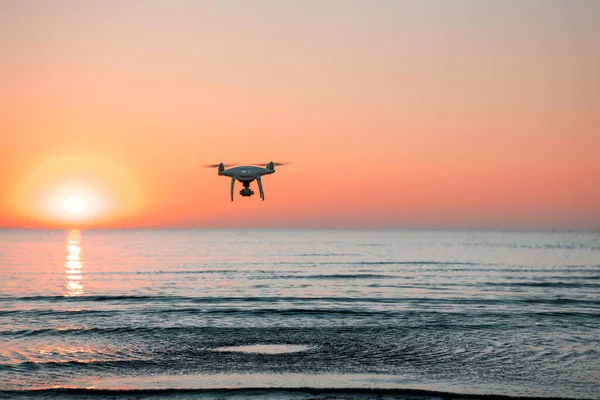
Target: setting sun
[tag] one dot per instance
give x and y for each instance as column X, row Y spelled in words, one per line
column 75, row 202
column 77, row 188
column 74, row 205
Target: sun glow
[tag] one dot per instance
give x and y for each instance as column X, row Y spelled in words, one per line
column 77, row 191
column 76, row 202
column 74, row 205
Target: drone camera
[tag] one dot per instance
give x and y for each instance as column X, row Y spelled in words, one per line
column 245, row 192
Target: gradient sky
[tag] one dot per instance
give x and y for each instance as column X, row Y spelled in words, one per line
column 408, row 114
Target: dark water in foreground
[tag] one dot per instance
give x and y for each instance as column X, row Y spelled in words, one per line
column 169, row 312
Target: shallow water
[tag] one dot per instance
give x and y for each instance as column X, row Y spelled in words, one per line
column 464, row 312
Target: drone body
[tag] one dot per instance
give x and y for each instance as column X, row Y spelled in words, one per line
column 246, row 174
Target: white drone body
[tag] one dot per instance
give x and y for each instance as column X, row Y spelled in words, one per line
column 246, row 174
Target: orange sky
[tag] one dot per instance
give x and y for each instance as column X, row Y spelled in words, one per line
column 409, row 114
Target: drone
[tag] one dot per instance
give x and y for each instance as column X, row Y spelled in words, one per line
column 246, row 174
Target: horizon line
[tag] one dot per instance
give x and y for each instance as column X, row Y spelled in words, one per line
column 308, row 228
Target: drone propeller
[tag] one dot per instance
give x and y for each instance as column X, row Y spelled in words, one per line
column 231, row 165
column 217, row 165
column 277, row 164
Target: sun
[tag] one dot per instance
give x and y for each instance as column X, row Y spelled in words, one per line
column 74, row 205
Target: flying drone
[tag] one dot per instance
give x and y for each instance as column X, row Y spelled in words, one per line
column 246, row 174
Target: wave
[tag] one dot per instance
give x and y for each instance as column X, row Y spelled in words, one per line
column 284, row 299
column 433, row 267
column 341, row 276
column 325, row 255
column 415, row 319
column 545, row 246
column 418, row 262
column 546, row 284
column 589, row 272
column 99, row 365
column 51, row 312
column 265, row 392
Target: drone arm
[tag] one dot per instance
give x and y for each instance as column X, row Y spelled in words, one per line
column 232, row 185
column 260, row 188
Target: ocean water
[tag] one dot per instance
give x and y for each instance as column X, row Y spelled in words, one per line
column 299, row 313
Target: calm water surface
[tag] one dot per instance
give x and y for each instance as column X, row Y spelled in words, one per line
column 465, row 312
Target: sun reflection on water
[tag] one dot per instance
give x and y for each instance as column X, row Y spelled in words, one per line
column 74, row 264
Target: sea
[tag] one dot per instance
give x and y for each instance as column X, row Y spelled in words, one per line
column 299, row 314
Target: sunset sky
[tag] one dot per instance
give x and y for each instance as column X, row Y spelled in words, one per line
column 407, row 114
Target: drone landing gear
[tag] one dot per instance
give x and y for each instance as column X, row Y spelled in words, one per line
column 260, row 189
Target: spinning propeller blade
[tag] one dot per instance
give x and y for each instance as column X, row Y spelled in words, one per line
column 277, row 164
column 217, row 165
